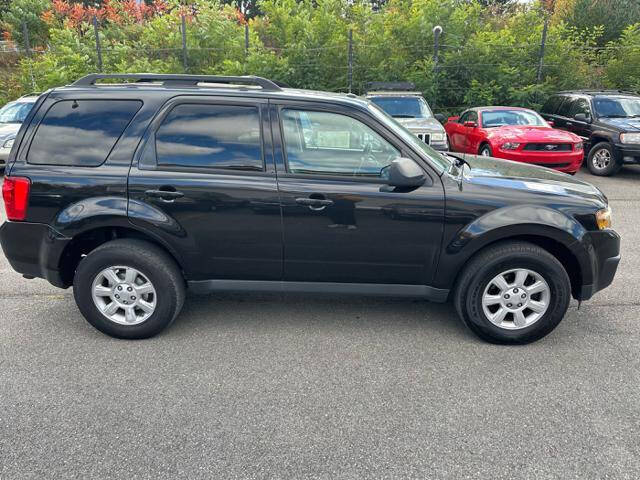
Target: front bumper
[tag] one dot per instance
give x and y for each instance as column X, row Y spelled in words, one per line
column 4, row 156
column 34, row 249
column 603, row 250
column 569, row 162
column 441, row 147
column 627, row 153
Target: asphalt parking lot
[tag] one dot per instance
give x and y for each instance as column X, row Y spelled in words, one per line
column 271, row 386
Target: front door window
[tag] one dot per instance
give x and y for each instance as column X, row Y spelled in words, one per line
column 325, row 143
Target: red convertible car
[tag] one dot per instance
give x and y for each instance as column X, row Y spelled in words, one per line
column 515, row 134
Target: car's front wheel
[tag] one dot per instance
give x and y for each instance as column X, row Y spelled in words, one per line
column 602, row 160
column 513, row 292
column 129, row 288
column 485, row 150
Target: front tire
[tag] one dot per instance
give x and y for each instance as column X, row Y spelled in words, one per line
column 485, row 151
column 512, row 293
column 129, row 288
column 602, row 160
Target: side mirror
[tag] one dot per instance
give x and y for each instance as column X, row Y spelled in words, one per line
column 581, row 117
column 404, row 172
column 470, row 123
column 551, row 123
column 440, row 117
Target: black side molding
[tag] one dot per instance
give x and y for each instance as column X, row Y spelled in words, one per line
column 438, row 295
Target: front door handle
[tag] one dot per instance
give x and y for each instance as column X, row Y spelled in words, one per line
column 314, row 203
column 166, row 195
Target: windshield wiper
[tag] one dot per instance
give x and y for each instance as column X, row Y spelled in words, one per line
column 404, row 116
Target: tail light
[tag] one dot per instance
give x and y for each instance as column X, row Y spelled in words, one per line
column 15, row 192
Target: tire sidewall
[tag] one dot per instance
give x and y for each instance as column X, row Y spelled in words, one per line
column 487, row 148
column 613, row 166
column 166, row 301
column 554, row 275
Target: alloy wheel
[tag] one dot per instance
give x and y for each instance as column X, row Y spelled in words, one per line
column 516, row 299
column 124, row 295
column 601, row 159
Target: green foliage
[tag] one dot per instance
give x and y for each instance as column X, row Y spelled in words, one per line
column 29, row 12
column 622, row 68
column 612, row 15
column 488, row 54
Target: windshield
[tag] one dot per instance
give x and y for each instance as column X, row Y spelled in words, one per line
column 404, row 107
column 15, row 112
column 621, row 107
column 500, row 118
column 437, row 158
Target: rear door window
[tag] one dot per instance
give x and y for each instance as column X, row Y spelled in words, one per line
column 551, row 106
column 566, row 106
column 211, row 136
column 581, row 105
column 80, row 132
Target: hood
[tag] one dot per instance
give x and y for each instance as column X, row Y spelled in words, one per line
column 625, row 124
column 430, row 124
column 525, row 133
column 505, row 174
column 8, row 130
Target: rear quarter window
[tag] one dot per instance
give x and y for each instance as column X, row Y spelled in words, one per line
column 80, row 132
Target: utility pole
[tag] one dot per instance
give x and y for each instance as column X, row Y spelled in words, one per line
column 98, row 47
column 437, row 31
column 542, row 46
column 350, row 61
column 185, row 61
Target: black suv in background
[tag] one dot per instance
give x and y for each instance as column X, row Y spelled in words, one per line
column 134, row 192
column 608, row 121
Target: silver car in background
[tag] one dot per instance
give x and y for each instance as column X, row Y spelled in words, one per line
column 410, row 109
column 11, row 117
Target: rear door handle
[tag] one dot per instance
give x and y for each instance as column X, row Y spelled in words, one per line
column 167, row 195
column 314, row 203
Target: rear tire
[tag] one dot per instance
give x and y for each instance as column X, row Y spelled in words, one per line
column 602, row 160
column 547, row 290
column 147, row 281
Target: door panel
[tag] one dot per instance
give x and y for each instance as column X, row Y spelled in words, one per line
column 225, row 223
column 364, row 235
column 352, row 228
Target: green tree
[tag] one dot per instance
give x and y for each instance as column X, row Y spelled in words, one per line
column 29, row 12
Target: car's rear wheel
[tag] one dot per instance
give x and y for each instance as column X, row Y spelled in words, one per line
column 129, row 288
column 602, row 160
column 513, row 292
column 485, row 150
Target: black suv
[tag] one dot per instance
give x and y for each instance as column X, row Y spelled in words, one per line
column 608, row 121
column 135, row 192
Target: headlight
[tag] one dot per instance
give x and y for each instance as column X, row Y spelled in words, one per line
column 8, row 143
column 510, row 145
column 603, row 218
column 579, row 146
column 437, row 137
column 630, row 137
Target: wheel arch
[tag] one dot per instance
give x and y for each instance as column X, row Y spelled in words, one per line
column 88, row 240
column 598, row 137
column 558, row 249
column 558, row 233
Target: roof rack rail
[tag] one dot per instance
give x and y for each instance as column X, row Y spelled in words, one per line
column 389, row 86
column 178, row 79
column 598, row 90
